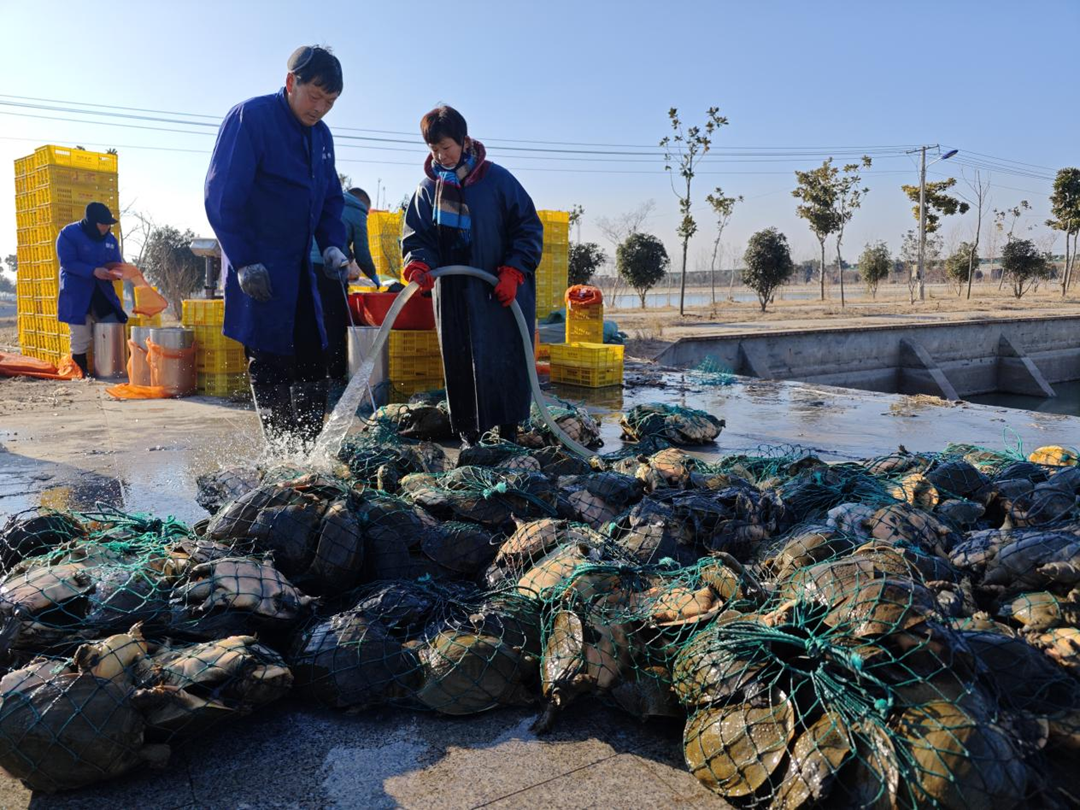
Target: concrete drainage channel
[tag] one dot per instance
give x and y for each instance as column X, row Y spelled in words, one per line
column 1023, row 356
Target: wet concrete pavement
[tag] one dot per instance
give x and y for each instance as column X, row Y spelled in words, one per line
column 67, row 445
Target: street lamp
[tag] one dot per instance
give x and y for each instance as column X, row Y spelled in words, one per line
column 922, row 210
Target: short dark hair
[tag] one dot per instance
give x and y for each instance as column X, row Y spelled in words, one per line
column 361, row 195
column 314, row 63
column 444, row 122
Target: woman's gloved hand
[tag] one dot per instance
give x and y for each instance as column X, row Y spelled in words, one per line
column 509, row 280
column 421, row 274
column 255, row 281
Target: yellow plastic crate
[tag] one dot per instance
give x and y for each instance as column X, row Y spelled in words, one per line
column 222, row 385
column 43, row 252
column 403, row 391
column 23, row 202
column 24, row 165
column 73, row 195
column 384, row 242
column 220, row 361
column 65, row 213
column 67, row 176
column 78, row 158
column 590, row 365
column 43, row 233
column 25, row 219
column 203, row 312
column 423, row 367
column 22, row 254
column 414, row 342
column 584, row 331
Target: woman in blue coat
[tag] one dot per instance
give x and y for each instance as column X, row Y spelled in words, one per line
column 473, row 212
column 84, row 249
column 272, row 186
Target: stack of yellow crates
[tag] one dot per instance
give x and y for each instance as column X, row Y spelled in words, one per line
column 384, row 241
column 588, row 365
column 415, row 363
column 552, row 272
column 52, row 188
column 584, row 322
column 220, row 365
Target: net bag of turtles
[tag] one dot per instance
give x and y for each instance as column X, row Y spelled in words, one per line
column 896, row 631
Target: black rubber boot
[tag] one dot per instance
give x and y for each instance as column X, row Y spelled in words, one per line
column 80, row 361
column 469, row 438
column 508, row 433
column 275, row 409
column 309, row 409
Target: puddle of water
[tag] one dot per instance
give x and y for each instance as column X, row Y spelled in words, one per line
column 1067, row 400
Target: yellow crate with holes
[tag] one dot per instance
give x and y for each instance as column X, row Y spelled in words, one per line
column 590, row 365
column 412, row 342
column 44, row 233
column 52, row 155
column 73, row 195
column 25, row 219
column 222, row 385
column 71, row 176
column 203, row 312
column 65, row 213
column 23, row 202
column 219, row 361
column 24, row 165
column 42, row 252
column 22, row 254
column 384, row 242
column 422, row 367
column 585, row 331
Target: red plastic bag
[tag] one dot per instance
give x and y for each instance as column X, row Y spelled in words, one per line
column 148, row 301
column 583, row 295
column 16, row 365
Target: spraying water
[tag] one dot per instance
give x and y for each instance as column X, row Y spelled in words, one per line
column 337, row 426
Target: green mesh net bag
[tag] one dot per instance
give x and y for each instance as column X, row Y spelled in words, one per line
column 674, row 423
column 575, row 421
column 482, row 495
column 379, row 457
column 421, row 419
column 116, row 704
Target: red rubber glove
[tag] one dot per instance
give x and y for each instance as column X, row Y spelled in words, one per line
column 421, row 274
column 506, row 289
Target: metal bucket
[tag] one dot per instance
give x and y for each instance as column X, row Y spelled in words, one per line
column 361, row 339
column 175, row 374
column 139, row 334
column 110, row 351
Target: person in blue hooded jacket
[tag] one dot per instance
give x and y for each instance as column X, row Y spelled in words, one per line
column 333, row 292
column 85, row 249
column 271, row 188
column 473, row 212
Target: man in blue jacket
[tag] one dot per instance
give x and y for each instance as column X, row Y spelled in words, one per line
column 84, row 249
column 271, row 188
column 332, row 292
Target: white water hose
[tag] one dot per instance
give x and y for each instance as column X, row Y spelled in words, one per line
column 333, row 433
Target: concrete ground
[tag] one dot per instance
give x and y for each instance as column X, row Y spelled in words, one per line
column 68, row 445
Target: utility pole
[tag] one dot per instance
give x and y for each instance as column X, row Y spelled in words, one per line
column 922, row 208
column 922, row 223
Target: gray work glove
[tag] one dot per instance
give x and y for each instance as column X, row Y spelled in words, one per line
column 335, row 264
column 255, row 281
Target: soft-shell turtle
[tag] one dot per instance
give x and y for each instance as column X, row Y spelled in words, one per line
column 1053, row 455
column 464, row 549
column 816, row 759
column 184, row 690
column 553, row 569
column 676, row 424
column 34, row 532
column 1042, row 610
column 959, row 759
column 237, row 592
column 465, row 673
column 61, row 730
column 917, row 490
column 670, row 467
column 958, row 479
column 1063, row 645
column 351, row 661
column 734, row 750
column 1034, row 561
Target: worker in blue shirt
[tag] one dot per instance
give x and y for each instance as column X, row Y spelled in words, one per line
column 271, row 188
column 85, row 250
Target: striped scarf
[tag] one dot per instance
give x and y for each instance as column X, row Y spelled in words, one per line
column 450, row 209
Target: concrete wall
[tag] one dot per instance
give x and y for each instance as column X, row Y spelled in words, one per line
column 973, row 357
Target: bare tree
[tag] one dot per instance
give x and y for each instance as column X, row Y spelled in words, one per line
column 617, row 229
column 722, row 207
column 979, row 190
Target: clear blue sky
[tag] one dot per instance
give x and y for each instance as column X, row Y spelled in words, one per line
column 994, row 79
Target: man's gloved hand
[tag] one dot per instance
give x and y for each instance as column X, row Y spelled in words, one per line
column 421, row 274
column 335, row 264
column 255, row 281
column 510, row 278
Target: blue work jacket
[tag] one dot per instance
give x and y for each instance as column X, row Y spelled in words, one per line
column 272, row 186
column 79, row 255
